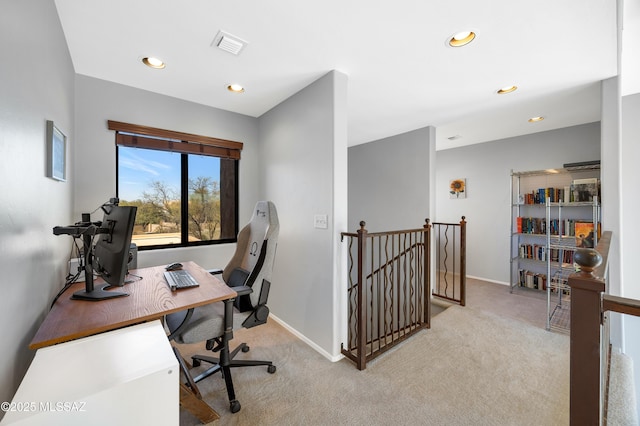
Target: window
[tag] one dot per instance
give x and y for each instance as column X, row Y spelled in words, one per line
column 185, row 186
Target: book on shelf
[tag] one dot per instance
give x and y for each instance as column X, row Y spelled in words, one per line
column 585, row 189
column 584, row 233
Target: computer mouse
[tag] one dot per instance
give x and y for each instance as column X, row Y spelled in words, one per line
column 173, row 266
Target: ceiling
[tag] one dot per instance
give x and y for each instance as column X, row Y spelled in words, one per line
column 402, row 75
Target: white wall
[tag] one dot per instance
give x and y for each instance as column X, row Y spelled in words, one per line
column 36, row 84
column 95, row 156
column 303, row 150
column 389, row 182
column 487, row 168
column 630, row 208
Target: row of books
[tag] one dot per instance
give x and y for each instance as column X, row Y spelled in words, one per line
column 541, row 252
column 531, row 225
column 541, row 195
column 532, row 280
column 538, row 281
column 580, row 190
column 584, row 230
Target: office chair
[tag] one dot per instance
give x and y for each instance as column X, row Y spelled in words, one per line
column 249, row 274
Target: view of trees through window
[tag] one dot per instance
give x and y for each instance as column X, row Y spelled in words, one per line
column 173, row 192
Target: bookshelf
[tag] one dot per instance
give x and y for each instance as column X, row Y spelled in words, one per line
column 553, row 213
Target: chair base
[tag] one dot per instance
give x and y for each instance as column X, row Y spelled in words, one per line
column 225, row 369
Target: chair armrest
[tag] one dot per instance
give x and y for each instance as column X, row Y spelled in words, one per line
column 215, row 271
column 242, row 290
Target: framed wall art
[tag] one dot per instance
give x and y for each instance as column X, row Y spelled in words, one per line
column 458, row 188
column 56, row 153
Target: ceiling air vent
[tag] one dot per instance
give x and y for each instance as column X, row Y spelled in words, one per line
column 229, row 43
column 585, row 165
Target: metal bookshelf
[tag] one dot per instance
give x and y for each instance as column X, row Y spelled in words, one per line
column 558, row 292
column 554, row 243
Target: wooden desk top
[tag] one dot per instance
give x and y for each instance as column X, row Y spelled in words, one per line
column 149, row 298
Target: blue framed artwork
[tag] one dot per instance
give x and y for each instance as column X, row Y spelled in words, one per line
column 56, row 153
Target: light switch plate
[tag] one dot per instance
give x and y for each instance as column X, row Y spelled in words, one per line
column 320, row 221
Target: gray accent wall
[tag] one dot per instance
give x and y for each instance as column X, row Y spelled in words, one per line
column 487, row 169
column 36, row 85
column 389, row 182
column 303, row 150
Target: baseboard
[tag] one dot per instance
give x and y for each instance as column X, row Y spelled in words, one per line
column 457, row 274
column 302, row 337
column 487, row 280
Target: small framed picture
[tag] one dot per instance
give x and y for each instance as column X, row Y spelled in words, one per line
column 56, row 153
column 458, row 188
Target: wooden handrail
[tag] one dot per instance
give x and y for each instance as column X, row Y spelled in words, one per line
column 394, row 259
column 622, row 305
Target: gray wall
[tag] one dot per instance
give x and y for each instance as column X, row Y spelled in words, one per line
column 487, row 168
column 389, row 182
column 95, row 156
column 36, row 84
column 303, row 149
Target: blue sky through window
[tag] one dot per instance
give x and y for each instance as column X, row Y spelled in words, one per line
column 138, row 168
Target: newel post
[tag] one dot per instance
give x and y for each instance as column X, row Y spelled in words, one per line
column 463, row 261
column 426, row 267
column 586, row 314
column 361, row 321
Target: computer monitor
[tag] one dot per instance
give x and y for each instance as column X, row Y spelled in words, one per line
column 111, row 251
column 110, row 255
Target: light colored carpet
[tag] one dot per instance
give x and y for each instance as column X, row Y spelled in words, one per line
column 471, row 368
column 622, row 396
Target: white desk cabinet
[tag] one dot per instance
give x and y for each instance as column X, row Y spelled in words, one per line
column 128, row 376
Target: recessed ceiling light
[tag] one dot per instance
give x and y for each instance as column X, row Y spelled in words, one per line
column 462, row 38
column 535, row 119
column 235, row 88
column 152, row 62
column 507, row 89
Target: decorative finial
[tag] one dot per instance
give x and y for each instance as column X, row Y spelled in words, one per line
column 362, row 224
column 587, row 259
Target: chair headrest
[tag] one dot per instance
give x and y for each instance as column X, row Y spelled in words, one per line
column 263, row 224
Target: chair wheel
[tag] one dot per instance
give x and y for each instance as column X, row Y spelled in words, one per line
column 234, row 406
column 195, row 362
column 271, row 369
column 245, row 348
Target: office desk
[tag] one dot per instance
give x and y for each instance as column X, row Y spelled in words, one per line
column 149, row 298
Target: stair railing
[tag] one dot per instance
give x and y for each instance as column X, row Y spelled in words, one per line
column 450, row 241
column 388, row 290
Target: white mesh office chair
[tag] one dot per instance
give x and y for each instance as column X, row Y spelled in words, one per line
column 249, row 274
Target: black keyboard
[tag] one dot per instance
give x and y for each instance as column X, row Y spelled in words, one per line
column 180, row 279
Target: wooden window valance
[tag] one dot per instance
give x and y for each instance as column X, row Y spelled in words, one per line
column 133, row 135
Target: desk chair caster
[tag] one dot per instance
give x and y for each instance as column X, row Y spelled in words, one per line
column 234, row 406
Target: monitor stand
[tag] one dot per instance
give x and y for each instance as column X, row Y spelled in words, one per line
column 97, row 294
column 90, row 292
